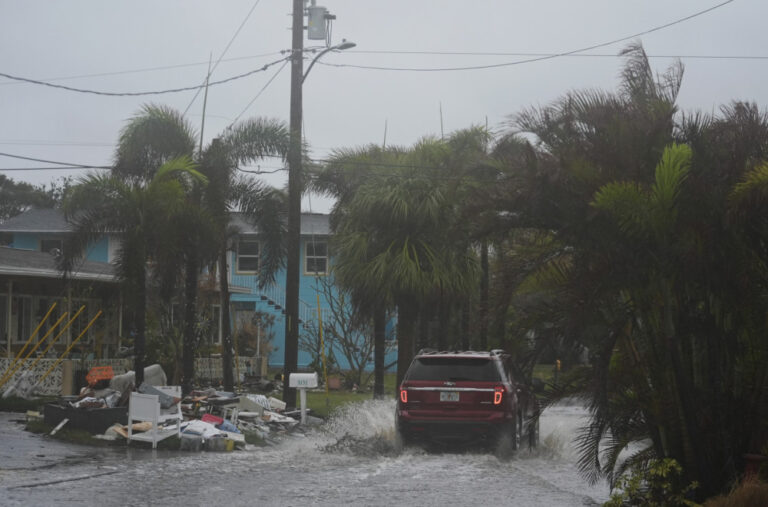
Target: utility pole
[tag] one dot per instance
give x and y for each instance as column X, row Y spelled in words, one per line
column 294, row 205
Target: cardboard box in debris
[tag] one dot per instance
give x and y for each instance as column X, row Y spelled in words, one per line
column 214, row 420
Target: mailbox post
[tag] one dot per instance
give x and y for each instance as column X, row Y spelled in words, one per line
column 302, row 382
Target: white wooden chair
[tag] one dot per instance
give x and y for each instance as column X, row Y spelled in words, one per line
column 146, row 408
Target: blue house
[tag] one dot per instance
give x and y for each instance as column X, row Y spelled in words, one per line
column 255, row 312
column 31, row 285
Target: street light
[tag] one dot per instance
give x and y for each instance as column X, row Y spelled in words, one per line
column 295, row 184
column 345, row 44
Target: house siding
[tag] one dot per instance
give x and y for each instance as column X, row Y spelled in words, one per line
column 31, row 241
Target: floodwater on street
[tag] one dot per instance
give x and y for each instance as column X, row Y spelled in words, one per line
column 349, row 460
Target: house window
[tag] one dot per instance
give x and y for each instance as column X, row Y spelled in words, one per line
column 46, row 245
column 316, row 258
column 247, row 256
column 21, row 318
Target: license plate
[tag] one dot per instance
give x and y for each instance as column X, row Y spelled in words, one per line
column 449, row 396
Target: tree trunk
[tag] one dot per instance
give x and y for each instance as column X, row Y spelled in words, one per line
column 141, row 327
column 379, row 332
column 483, row 310
column 464, row 339
column 226, row 325
column 443, row 317
column 190, row 320
column 406, row 324
column 422, row 340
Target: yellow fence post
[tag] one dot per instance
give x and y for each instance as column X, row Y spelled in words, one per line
column 31, row 337
column 9, row 374
column 57, row 336
column 71, row 345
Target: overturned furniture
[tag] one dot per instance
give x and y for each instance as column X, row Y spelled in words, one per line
column 147, row 408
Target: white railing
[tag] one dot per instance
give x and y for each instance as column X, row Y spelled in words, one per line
column 212, row 368
column 208, row 368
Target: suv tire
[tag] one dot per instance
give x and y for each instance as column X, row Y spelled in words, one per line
column 507, row 441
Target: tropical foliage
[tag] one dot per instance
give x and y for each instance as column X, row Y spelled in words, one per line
column 141, row 215
column 639, row 239
column 195, row 233
column 608, row 230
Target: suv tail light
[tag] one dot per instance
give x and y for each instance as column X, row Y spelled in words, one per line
column 498, row 395
column 404, row 395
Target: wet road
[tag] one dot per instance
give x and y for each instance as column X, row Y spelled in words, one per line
column 347, row 461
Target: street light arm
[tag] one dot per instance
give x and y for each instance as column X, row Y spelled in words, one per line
column 338, row 47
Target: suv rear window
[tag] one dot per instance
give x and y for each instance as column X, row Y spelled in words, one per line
column 453, row 369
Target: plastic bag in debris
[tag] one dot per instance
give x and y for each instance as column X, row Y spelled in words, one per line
column 113, row 399
column 198, row 427
column 89, row 402
column 228, row 427
column 274, row 417
column 22, row 386
column 166, row 400
column 259, row 399
column 276, row 404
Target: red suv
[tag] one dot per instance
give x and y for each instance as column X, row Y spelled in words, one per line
column 465, row 397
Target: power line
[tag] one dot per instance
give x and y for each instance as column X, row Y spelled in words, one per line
column 138, row 94
column 534, row 59
column 30, row 142
column 210, row 70
column 258, row 94
column 58, row 168
column 576, row 55
column 149, row 69
column 69, row 164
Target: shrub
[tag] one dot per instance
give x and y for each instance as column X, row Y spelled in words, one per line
column 654, row 484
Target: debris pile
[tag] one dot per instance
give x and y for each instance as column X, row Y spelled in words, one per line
column 205, row 419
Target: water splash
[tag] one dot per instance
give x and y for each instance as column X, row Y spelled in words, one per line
column 366, row 428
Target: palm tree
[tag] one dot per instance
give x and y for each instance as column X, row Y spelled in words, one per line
column 341, row 177
column 391, row 240
column 141, row 215
column 157, row 133
column 653, row 259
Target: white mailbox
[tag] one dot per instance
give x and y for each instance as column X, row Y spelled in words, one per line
column 303, row 380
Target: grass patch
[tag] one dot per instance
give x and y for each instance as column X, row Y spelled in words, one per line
column 321, row 407
column 544, row 372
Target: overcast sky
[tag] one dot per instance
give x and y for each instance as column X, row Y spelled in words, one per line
column 142, row 45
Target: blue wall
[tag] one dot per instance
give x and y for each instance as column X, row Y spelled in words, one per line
column 26, row 241
column 309, row 287
column 99, row 251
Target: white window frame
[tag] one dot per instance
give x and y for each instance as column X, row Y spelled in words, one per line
column 308, row 257
column 25, row 315
column 248, row 256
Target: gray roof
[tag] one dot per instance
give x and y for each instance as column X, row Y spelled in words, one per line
column 17, row 262
column 37, row 220
column 312, row 224
column 52, row 221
